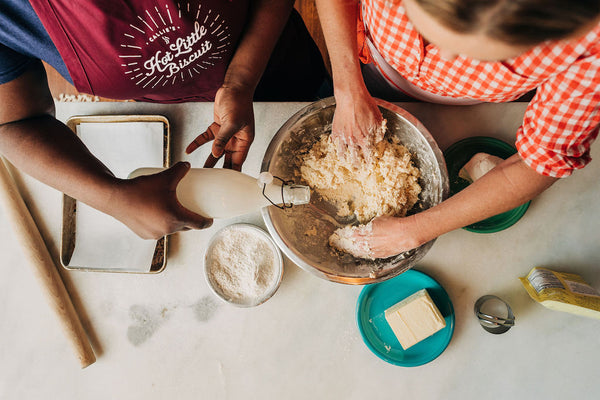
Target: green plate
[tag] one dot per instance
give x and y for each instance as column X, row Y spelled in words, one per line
column 378, row 336
column 458, row 155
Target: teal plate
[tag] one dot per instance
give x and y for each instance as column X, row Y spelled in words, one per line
column 378, row 336
column 458, row 155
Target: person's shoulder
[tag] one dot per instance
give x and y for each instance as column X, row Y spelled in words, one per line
column 589, row 43
column 12, row 64
column 24, row 41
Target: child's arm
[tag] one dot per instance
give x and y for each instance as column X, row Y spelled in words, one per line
column 43, row 147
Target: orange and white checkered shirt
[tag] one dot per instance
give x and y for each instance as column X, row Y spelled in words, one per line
column 560, row 122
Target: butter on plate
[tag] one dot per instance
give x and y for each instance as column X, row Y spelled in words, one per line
column 479, row 165
column 414, row 319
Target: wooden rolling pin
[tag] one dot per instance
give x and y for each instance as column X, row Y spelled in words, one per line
column 36, row 252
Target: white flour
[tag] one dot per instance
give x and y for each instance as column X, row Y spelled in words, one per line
column 242, row 265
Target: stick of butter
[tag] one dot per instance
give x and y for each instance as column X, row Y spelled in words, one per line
column 414, row 319
column 479, row 165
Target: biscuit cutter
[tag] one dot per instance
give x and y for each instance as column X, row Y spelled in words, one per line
column 494, row 323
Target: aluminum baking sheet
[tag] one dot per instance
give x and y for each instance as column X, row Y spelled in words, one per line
column 69, row 228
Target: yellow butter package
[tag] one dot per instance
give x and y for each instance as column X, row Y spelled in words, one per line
column 562, row 291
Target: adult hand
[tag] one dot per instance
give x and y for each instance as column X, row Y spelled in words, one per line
column 356, row 124
column 232, row 131
column 390, row 236
column 148, row 204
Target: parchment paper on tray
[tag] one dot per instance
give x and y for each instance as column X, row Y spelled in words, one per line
column 100, row 241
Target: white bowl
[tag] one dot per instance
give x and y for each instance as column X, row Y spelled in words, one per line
column 230, row 284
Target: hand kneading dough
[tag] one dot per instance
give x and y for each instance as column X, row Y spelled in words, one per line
column 343, row 239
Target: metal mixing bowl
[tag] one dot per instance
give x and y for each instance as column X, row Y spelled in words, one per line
column 302, row 232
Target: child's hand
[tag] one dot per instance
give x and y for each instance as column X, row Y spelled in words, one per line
column 232, row 131
column 148, row 204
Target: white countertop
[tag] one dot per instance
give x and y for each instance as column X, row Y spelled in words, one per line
column 165, row 336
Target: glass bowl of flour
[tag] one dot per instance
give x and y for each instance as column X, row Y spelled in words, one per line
column 242, row 265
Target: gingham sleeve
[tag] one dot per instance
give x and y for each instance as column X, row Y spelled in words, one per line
column 562, row 120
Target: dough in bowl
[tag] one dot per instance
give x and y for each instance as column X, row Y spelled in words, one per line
column 385, row 184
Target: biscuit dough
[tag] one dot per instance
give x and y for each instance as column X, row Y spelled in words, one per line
column 344, row 239
column 386, row 184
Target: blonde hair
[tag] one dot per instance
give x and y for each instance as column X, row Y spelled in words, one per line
column 518, row 22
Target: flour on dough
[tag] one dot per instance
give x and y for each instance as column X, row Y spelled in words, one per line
column 344, row 239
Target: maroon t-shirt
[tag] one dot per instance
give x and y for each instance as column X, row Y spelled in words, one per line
column 149, row 50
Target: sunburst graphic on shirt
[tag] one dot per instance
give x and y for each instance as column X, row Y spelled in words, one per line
column 182, row 54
